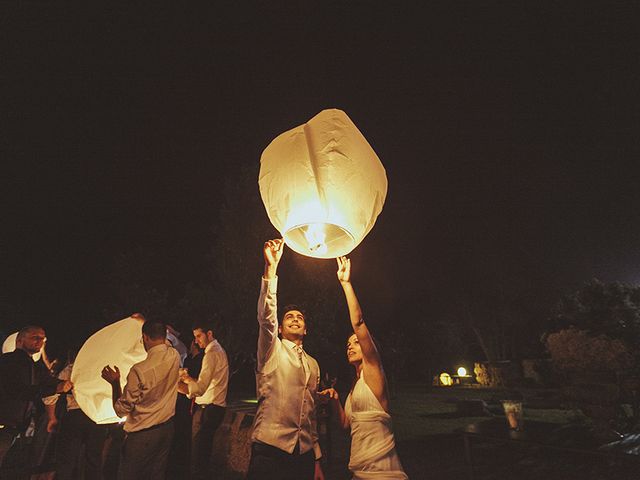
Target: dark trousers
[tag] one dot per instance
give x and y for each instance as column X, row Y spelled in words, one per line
column 271, row 463
column 78, row 431
column 7, row 437
column 145, row 453
column 204, row 424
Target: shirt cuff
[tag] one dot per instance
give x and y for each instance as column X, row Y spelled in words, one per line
column 120, row 412
column 270, row 285
column 191, row 387
column 317, row 453
column 51, row 399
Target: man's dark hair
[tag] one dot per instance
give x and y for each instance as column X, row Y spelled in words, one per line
column 154, row 330
column 293, row 306
column 204, row 325
column 29, row 328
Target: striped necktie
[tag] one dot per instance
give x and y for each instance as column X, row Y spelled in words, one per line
column 303, row 361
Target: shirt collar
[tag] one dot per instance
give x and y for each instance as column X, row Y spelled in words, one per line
column 157, row 348
column 24, row 353
column 291, row 345
column 210, row 346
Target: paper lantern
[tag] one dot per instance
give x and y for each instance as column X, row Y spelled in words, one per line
column 117, row 344
column 9, row 345
column 322, row 185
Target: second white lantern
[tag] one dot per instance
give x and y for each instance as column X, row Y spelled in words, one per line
column 118, row 344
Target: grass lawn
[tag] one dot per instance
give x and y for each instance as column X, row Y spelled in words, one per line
column 425, row 420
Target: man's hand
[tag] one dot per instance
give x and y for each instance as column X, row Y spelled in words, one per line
column 110, row 375
column 272, row 254
column 273, row 251
column 344, row 269
column 52, row 425
column 329, row 394
column 183, row 388
column 318, row 474
column 64, row 387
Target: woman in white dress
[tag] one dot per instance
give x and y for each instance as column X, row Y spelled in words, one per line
column 366, row 411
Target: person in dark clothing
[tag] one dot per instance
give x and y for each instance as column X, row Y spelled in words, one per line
column 193, row 362
column 80, row 441
column 23, row 383
column 181, row 449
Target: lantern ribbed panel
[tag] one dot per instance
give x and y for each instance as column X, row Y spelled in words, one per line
column 322, row 175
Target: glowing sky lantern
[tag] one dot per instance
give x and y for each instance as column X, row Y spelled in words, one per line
column 322, row 185
column 9, row 345
column 117, row 344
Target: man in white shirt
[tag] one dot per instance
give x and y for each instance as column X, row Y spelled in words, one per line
column 285, row 439
column 210, row 393
column 148, row 402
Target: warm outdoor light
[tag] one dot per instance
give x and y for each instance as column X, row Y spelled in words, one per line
column 462, row 372
column 322, row 185
column 117, row 344
column 445, row 379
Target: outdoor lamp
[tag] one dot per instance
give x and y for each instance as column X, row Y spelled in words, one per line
column 117, row 344
column 445, row 379
column 462, row 372
column 322, row 185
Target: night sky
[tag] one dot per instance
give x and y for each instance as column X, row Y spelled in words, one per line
column 509, row 132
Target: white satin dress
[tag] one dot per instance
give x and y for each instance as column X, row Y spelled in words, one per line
column 373, row 447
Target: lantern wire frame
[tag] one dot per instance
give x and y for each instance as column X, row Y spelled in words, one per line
column 319, row 240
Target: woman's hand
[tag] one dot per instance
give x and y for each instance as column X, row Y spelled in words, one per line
column 344, row 269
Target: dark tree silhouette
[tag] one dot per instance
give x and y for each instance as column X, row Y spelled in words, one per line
column 612, row 309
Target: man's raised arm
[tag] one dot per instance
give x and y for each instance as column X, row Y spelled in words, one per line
column 267, row 303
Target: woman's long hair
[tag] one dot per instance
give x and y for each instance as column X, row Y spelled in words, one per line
column 376, row 343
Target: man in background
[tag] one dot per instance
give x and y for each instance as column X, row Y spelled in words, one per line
column 210, row 393
column 148, row 403
column 23, row 383
column 77, row 434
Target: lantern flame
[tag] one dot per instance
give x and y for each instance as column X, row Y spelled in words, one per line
column 316, row 238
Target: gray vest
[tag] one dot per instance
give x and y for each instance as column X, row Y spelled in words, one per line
column 286, row 400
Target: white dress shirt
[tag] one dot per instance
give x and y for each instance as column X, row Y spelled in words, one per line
column 149, row 397
column 212, row 383
column 287, row 380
